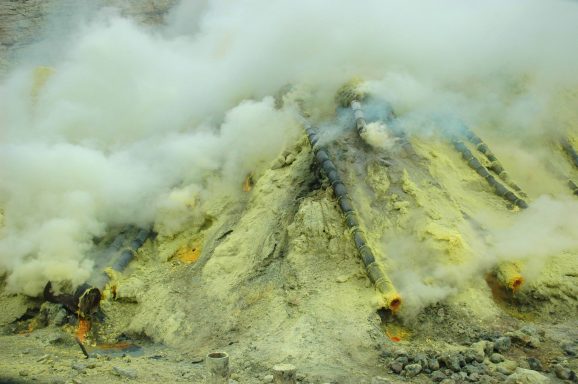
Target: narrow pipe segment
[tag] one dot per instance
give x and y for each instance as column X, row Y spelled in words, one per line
column 328, row 166
column 313, row 138
column 383, row 284
column 360, row 122
column 339, row 189
column 117, row 243
column 345, row 204
column 86, row 299
column 570, row 151
column 127, row 255
column 359, row 238
column 351, row 219
column 321, row 156
column 367, row 257
column 573, row 187
column 333, row 177
column 349, row 96
column 88, row 302
column 495, row 165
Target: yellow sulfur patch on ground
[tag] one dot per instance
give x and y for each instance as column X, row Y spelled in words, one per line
column 452, row 238
column 397, row 332
column 408, row 185
column 189, row 254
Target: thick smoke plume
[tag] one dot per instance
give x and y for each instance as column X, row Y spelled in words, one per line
column 131, row 121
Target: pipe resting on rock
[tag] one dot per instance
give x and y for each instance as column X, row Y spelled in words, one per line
column 388, row 294
column 570, row 151
column 495, row 164
column 508, row 273
column 509, row 276
column 86, row 299
column 500, row 189
column 572, row 185
column 360, row 122
column 119, row 263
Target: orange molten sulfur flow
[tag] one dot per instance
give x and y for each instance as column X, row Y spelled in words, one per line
column 83, row 328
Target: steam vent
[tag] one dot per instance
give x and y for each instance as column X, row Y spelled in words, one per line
column 288, row 191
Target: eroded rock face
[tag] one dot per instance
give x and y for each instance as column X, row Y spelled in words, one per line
column 16, row 26
column 19, row 20
column 22, row 23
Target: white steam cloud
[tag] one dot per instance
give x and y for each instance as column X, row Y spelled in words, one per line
column 135, row 121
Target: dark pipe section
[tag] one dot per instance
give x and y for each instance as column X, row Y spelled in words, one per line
column 573, row 187
column 86, row 299
column 570, row 151
column 374, row 271
column 475, row 164
column 495, row 166
column 126, row 255
column 360, row 122
column 83, row 302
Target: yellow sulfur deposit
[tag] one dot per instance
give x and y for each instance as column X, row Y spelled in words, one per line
column 189, row 254
column 41, row 75
column 396, row 332
column 349, row 92
column 451, row 240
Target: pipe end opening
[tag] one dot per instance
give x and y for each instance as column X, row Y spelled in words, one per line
column 517, row 283
column 395, row 303
column 217, row 355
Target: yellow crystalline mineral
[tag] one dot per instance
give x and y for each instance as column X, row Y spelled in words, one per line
column 401, row 206
column 189, row 254
column 452, row 237
column 449, row 240
column 397, row 332
column 411, row 188
column 408, row 185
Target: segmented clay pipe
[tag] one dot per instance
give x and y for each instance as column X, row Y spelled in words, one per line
column 389, row 295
